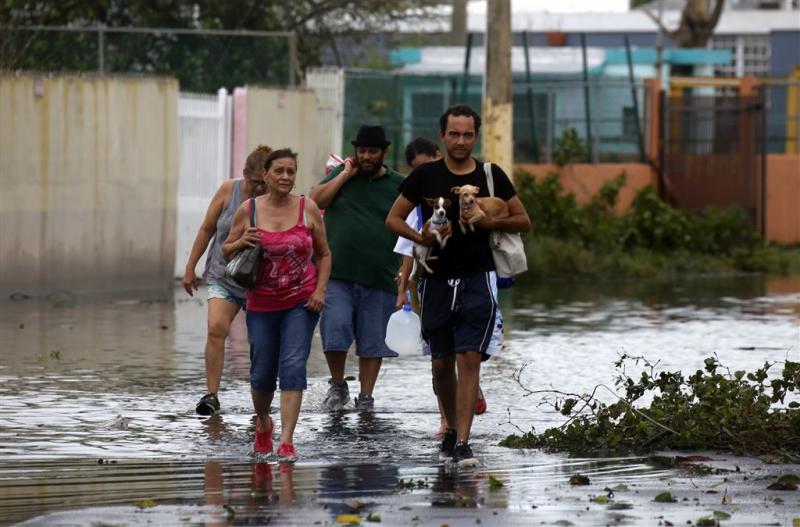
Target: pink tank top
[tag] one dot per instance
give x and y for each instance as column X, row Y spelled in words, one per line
column 287, row 276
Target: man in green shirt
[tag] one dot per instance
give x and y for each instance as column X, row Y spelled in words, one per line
column 362, row 292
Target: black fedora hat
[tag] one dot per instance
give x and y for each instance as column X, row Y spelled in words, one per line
column 371, row 135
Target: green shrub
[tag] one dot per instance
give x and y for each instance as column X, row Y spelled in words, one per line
column 656, row 225
column 714, row 408
column 569, row 148
column 651, row 239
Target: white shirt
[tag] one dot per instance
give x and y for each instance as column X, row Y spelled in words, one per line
column 405, row 246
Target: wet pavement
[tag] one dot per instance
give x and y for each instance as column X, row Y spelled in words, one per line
column 97, row 423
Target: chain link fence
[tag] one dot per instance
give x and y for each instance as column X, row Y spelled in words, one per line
column 202, row 60
column 410, row 105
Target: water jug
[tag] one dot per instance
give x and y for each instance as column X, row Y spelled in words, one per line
column 403, row 331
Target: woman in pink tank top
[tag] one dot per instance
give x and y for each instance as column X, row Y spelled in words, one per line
column 283, row 308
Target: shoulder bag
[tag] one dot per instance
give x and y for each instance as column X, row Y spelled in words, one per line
column 507, row 248
column 245, row 268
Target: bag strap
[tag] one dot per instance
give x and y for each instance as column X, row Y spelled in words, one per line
column 252, row 212
column 301, row 214
column 487, row 168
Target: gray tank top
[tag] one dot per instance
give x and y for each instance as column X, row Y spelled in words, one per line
column 215, row 261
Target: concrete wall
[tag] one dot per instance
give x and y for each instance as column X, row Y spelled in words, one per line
column 783, row 198
column 288, row 118
column 88, row 173
column 585, row 180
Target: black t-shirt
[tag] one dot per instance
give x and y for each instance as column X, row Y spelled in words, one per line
column 464, row 254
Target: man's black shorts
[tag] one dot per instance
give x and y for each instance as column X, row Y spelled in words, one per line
column 458, row 315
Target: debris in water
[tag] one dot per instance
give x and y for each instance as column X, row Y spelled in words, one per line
column 495, row 483
column 786, row 482
column 665, row 497
column 619, row 506
column 119, row 422
column 354, row 504
column 691, row 459
column 579, row 479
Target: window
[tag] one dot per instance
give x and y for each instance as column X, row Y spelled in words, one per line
column 751, row 54
column 629, row 122
column 755, row 54
column 729, row 43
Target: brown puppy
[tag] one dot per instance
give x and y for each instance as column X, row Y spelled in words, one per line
column 473, row 209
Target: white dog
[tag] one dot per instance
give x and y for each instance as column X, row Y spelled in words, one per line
column 422, row 253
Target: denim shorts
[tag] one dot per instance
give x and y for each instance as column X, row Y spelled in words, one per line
column 280, row 342
column 216, row 290
column 356, row 313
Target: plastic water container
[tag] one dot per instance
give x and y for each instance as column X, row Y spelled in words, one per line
column 403, row 332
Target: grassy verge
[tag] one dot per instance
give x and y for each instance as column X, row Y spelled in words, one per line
column 550, row 257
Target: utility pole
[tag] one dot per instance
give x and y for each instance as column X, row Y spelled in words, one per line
column 498, row 109
column 458, row 23
column 660, row 40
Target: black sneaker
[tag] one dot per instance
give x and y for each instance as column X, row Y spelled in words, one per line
column 208, row 405
column 463, row 457
column 448, row 444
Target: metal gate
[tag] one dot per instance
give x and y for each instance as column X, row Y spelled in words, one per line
column 328, row 84
column 714, row 151
column 205, row 141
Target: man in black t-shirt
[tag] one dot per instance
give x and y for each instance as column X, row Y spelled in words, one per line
column 457, row 305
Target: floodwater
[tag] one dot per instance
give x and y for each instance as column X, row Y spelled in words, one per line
column 97, row 423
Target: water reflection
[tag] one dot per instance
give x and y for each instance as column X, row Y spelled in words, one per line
column 513, row 489
column 103, row 378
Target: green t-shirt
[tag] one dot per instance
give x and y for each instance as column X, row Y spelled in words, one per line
column 362, row 248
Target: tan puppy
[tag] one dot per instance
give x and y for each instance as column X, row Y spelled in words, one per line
column 473, row 209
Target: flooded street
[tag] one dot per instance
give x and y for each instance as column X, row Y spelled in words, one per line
column 97, row 422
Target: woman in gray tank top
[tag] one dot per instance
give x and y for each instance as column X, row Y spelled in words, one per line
column 225, row 298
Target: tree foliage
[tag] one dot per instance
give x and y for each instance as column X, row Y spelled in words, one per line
column 743, row 412
column 200, row 62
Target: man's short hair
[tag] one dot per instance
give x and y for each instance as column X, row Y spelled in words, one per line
column 418, row 146
column 458, row 110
